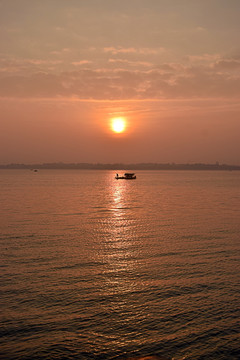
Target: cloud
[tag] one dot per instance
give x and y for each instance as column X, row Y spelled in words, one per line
column 26, row 65
column 227, row 65
column 61, row 52
column 115, row 51
column 42, row 62
column 131, row 50
column 209, row 58
column 131, row 63
column 168, row 81
column 81, row 62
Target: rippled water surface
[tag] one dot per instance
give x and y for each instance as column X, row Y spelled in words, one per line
column 98, row 268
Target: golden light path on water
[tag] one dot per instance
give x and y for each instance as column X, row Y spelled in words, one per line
column 123, row 257
column 121, row 246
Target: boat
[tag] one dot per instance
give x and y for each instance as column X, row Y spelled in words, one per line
column 126, row 176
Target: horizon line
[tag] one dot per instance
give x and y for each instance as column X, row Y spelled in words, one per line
column 60, row 164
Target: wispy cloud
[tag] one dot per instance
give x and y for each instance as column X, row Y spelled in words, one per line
column 60, row 52
column 42, row 62
column 81, row 62
column 205, row 58
column 226, row 65
column 169, row 81
column 23, row 66
column 142, row 51
column 131, row 63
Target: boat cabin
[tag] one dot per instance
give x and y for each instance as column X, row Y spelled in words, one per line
column 129, row 175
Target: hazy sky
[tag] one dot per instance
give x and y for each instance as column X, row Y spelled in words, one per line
column 170, row 67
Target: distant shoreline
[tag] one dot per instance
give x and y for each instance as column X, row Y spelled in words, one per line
column 120, row 166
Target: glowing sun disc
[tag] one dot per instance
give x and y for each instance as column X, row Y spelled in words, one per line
column 118, row 125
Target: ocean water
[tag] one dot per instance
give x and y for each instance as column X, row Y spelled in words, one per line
column 98, row 268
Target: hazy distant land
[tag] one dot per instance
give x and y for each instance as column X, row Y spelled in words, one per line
column 120, row 166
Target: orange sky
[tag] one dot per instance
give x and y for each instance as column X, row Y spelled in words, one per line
column 171, row 68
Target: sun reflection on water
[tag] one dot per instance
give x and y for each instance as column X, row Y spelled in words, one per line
column 121, row 246
column 119, row 198
column 123, row 276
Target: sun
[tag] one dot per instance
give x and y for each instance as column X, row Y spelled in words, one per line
column 118, row 124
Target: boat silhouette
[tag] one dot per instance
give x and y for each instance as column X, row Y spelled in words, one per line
column 126, row 176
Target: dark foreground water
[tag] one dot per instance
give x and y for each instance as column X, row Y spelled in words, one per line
column 98, row 268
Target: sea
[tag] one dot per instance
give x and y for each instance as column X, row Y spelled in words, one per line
column 98, row 268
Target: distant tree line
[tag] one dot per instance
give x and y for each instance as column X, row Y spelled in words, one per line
column 120, row 166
